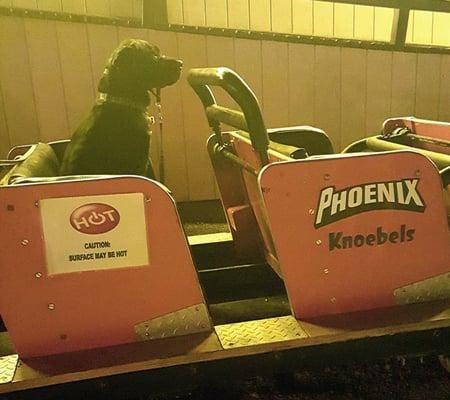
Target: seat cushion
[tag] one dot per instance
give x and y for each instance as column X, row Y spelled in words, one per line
column 39, row 161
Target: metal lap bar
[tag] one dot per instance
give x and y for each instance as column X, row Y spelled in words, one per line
column 250, row 119
column 235, row 159
column 227, row 116
column 377, row 144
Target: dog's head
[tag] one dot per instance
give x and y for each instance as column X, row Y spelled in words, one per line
column 135, row 67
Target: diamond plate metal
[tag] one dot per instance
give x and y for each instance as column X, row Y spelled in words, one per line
column 435, row 288
column 186, row 321
column 8, row 365
column 251, row 333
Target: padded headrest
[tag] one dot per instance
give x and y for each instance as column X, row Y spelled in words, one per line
column 41, row 161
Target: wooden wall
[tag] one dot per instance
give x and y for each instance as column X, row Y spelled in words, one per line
column 49, row 71
column 103, row 8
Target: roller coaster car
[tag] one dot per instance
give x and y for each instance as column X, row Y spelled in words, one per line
column 99, row 288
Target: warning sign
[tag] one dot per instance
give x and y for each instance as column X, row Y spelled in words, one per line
column 94, row 232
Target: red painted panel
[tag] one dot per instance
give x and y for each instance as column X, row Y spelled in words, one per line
column 354, row 259
column 91, row 308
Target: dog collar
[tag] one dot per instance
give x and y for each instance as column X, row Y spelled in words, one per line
column 123, row 101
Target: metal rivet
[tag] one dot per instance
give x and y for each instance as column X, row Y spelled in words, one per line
column 327, row 177
column 326, row 270
column 311, row 211
column 10, row 207
column 333, row 299
column 24, row 242
column 38, row 274
column 148, row 199
column 51, row 306
column 63, row 336
column 318, row 242
column 417, row 172
column 36, row 203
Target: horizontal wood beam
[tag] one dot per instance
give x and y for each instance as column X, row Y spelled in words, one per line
column 425, row 5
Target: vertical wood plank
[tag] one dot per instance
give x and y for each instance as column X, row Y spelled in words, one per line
column 216, row 13
column 275, row 83
column 74, row 6
column 238, row 14
column 132, row 33
column 5, row 141
column 192, row 50
column 403, row 84
column 302, row 17
column 248, row 64
column 364, row 22
column 428, row 82
column 327, row 88
column 444, row 103
column 30, row 4
column 379, row 83
column 47, row 79
column 103, row 39
column 137, row 8
column 384, row 18
column 323, row 18
column 344, row 20
column 98, row 7
column 76, row 71
column 301, row 84
column 175, row 12
column 282, row 16
column 353, row 83
column 194, row 12
column 49, row 5
column 260, row 15
column 120, row 8
column 173, row 140
column 18, row 95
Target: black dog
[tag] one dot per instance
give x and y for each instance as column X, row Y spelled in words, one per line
column 115, row 136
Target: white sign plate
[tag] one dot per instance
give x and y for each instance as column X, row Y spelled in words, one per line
column 94, row 232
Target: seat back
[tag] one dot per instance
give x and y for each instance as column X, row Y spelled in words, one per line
column 94, row 262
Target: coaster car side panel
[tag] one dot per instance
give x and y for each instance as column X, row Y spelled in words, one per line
column 47, row 314
column 343, row 245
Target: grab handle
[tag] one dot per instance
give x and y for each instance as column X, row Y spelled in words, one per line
column 249, row 119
